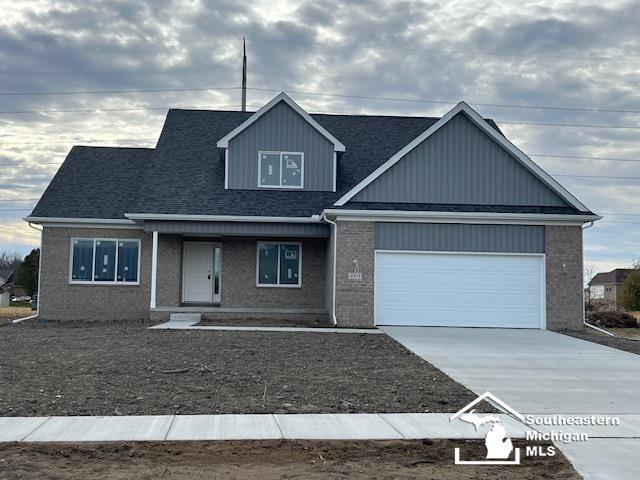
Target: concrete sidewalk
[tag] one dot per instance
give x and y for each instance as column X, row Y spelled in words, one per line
column 356, row 426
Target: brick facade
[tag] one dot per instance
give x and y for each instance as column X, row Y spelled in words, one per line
column 354, row 298
column 61, row 300
column 563, row 245
column 238, row 277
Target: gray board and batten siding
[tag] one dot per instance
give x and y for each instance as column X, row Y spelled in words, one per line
column 460, row 164
column 459, row 237
column 281, row 129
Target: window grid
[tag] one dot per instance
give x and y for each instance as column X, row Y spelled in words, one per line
column 280, row 184
column 278, row 284
column 93, row 280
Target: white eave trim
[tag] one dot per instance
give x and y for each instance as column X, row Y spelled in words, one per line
column 489, row 130
column 459, row 217
column 222, row 218
column 71, row 220
column 224, row 141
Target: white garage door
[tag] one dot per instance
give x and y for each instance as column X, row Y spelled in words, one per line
column 459, row 290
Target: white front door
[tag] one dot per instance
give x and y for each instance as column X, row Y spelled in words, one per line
column 459, row 289
column 201, row 272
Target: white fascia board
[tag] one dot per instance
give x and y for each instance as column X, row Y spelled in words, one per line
column 489, row 130
column 222, row 218
column 224, row 141
column 460, row 217
column 79, row 221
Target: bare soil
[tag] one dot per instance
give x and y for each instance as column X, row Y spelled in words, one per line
column 261, row 322
column 268, row 460
column 126, row 369
column 626, row 344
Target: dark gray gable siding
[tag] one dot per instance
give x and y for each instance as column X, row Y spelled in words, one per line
column 459, row 237
column 460, row 164
column 281, row 129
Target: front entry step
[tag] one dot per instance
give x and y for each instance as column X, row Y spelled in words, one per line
column 187, row 318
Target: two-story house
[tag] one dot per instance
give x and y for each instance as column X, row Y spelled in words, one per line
column 358, row 220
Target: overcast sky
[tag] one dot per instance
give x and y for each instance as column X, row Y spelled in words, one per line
column 575, row 54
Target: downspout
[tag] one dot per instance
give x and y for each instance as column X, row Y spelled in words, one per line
column 584, row 313
column 334, row 319
column 39, row 266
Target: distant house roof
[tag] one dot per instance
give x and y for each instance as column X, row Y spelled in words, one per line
column 614, row 276
column 184, row 175
column 5, row 276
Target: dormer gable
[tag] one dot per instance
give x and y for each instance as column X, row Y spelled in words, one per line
column 280, row 147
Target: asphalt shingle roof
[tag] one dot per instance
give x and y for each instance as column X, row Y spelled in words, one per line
column 614, row 276
column 185, row 172
column 94, row 182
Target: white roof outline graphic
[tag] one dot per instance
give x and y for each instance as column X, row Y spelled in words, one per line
column 488, row 395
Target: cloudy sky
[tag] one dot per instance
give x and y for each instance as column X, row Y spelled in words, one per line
column 132, row 59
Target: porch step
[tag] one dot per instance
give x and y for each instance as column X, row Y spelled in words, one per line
column 190, row 318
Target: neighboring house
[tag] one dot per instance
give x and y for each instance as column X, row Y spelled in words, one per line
column 6, row 276
column 605, row 289
column 362, row 219
column 4, row 298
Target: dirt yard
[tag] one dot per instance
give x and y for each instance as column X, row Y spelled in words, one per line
column 116, row 369
column 11, row 313
column 268, row 460
column 626, row 344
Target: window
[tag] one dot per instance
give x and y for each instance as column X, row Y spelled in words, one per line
column 279, row 264
column 280, row 169
column 105, row 261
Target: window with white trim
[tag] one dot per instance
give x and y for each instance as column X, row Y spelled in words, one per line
column 279, row 264
column 280, row 169
column 105, row 261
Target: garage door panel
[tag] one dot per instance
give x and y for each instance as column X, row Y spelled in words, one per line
column 414, row 288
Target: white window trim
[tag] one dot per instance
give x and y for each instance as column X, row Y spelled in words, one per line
column 93, row 262
column 281, row 186
column 278, row 285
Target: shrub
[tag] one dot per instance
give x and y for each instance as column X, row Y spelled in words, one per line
column 612, row 320
column 631, row 290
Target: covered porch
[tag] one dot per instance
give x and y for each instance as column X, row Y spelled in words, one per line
column 236, row 270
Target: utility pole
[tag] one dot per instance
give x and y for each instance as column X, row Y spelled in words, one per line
column 244, row 76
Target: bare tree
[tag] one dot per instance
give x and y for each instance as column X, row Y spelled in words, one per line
column 10, row 260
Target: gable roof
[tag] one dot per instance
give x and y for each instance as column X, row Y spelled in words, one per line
column 5, row 275
column 614, row 276
column 184, row 174
column 480, row 122
column 94, row 182
column 281, row 97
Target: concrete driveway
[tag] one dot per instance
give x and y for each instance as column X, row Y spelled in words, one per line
column 541, row 372
column 534, row 371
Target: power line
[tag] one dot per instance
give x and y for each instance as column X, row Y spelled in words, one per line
column 585, row 157
column 583, row 109
column 19, row 200
column 71, row 140
column 101, row 92
column 597, row 176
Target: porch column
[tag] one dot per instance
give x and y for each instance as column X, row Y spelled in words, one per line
column 154, row 269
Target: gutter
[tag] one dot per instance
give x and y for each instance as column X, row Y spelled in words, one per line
column 323, row 217
column 584, row 313
column 221, row 218
column 461, row 217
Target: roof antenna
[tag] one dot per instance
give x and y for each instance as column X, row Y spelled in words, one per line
column 244, row 76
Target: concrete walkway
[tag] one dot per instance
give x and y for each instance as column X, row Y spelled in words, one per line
column 542, row 372
column 186, row 325
column 391, row 426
